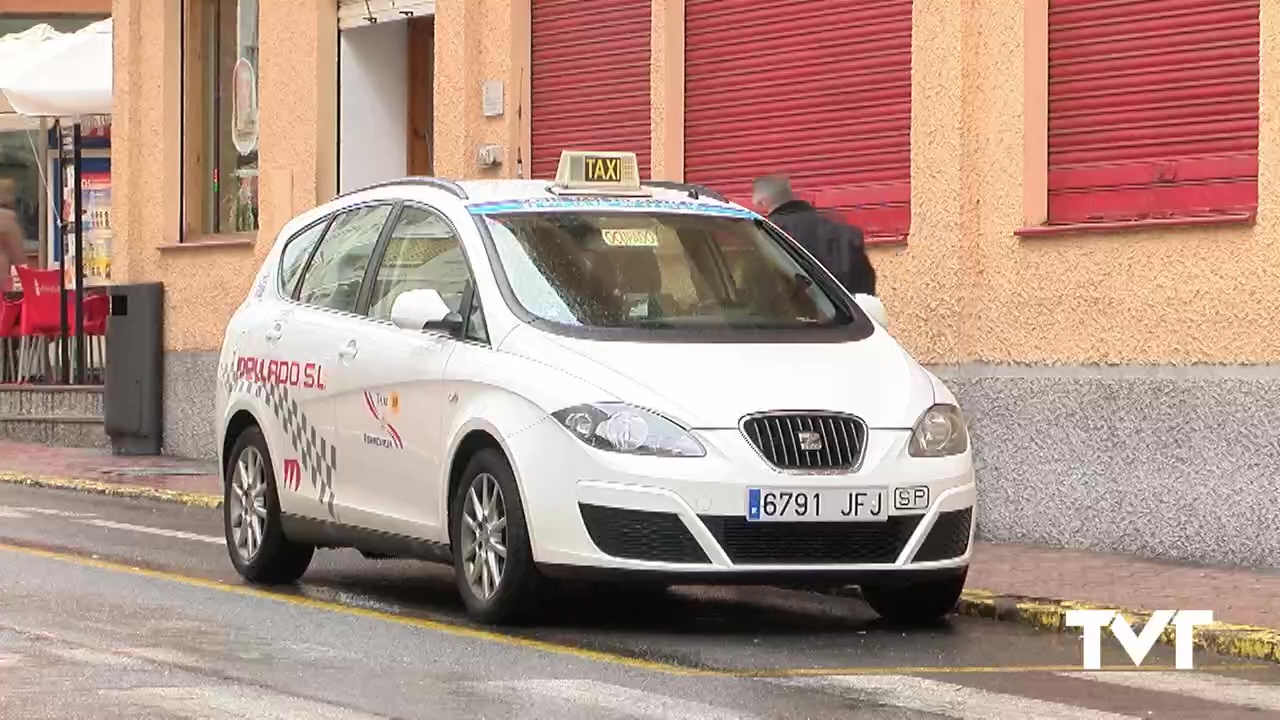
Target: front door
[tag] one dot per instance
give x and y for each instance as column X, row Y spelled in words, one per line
column 422, row 49
column 395, row 424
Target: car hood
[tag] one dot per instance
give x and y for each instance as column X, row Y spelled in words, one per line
column 713, row 385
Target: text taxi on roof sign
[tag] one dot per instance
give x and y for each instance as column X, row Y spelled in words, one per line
column 584, row 372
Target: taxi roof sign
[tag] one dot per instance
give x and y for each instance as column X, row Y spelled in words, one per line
column 599, row 172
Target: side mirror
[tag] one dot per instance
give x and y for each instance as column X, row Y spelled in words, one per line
column 872, row 306
column 424, row 310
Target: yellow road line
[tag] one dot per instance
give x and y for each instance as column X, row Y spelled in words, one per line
column 448, row 628
column 98, row 487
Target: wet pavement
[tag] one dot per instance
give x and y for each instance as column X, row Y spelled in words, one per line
column 1237, row 595
column 113, row 607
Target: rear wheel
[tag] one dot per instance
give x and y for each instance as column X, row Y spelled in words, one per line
column 251, row 517
column 920, row 602
column 493, row 562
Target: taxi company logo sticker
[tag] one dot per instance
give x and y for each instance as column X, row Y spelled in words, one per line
column 379, row 407
column 261, row 287
column 292, row 474
column 317, row 457
column 309, row 376
column 629, row 237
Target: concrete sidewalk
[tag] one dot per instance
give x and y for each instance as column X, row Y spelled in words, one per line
column 1034, row 585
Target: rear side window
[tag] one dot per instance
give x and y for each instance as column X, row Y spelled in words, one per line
column 336, row 272
column 294, row 257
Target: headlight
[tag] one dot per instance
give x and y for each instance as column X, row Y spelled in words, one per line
column 621, row 428
column 939, row 432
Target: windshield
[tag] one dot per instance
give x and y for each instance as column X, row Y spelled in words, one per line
column 658, row 270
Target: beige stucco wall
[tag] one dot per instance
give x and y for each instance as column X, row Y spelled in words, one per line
column 205, row 280
column 965, row 287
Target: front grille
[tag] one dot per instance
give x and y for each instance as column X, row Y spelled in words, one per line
column 641, row 535
column 811, row 543
column 949, row 537
column 807, row 441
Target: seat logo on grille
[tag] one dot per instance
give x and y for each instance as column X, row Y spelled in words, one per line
column 809, row 440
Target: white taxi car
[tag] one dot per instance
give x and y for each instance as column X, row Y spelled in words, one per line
column 591, row 379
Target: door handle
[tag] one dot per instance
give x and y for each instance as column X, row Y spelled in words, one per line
column 275, row 333
column 349, row 351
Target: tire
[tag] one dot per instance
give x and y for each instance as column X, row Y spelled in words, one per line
column 275, row 560
column 915, row 603
column 518, row 585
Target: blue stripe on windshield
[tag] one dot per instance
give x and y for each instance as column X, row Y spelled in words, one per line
column 607, row 203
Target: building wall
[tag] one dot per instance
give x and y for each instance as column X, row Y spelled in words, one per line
column 1103, row 370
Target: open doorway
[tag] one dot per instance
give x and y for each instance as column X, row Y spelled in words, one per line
column 386, row 101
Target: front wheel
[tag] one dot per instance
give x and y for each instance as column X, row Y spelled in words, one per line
column 251, row 517
column 920, row 602
column 493, row 562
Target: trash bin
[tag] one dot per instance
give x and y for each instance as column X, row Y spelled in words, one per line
column 133, row 391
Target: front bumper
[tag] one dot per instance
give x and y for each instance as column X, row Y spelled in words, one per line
column 607, row 513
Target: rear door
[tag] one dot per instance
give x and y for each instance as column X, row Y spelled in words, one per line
column 264, row 348
column 319, row 355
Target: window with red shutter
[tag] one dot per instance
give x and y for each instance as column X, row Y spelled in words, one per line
column 1153, row 109
column 589, row 84
column 819, row 91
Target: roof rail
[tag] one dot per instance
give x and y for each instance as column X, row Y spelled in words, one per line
column 448, row 186
column 695, row 191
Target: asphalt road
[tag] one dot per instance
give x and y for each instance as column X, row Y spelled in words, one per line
column 119, row 608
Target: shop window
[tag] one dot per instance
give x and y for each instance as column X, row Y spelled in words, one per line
column 220, row 117
column 20, row 181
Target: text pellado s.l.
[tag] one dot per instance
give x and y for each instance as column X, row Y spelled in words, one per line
column 290, row 373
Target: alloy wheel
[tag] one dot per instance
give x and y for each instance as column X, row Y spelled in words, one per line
column 484, row 536
column 248, row 511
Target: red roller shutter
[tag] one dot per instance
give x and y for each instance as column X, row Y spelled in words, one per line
column 1153, row 109
column 819, row 91
column 590, row 79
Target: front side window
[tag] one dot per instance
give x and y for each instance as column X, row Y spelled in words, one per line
column 659, row 271
column 336, row 272
column 220, row 116
column 423, row 253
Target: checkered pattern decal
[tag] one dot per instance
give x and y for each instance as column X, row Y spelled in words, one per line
column 317, row 456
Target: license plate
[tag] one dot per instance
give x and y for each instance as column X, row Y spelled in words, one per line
column 818, row 505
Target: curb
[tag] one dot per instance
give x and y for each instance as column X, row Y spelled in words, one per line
column 179, row 497
column 1240, row 641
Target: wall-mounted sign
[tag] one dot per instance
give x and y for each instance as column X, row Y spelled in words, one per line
column 244, row 116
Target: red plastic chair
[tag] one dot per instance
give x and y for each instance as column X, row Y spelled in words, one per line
column 10, row 314
column 97, row 306
column 39, row 322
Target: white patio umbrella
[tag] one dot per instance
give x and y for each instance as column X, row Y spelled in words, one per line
column 17, row 51
column 70, row 76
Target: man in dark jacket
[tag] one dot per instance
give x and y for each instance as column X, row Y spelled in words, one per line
column 836, row 244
